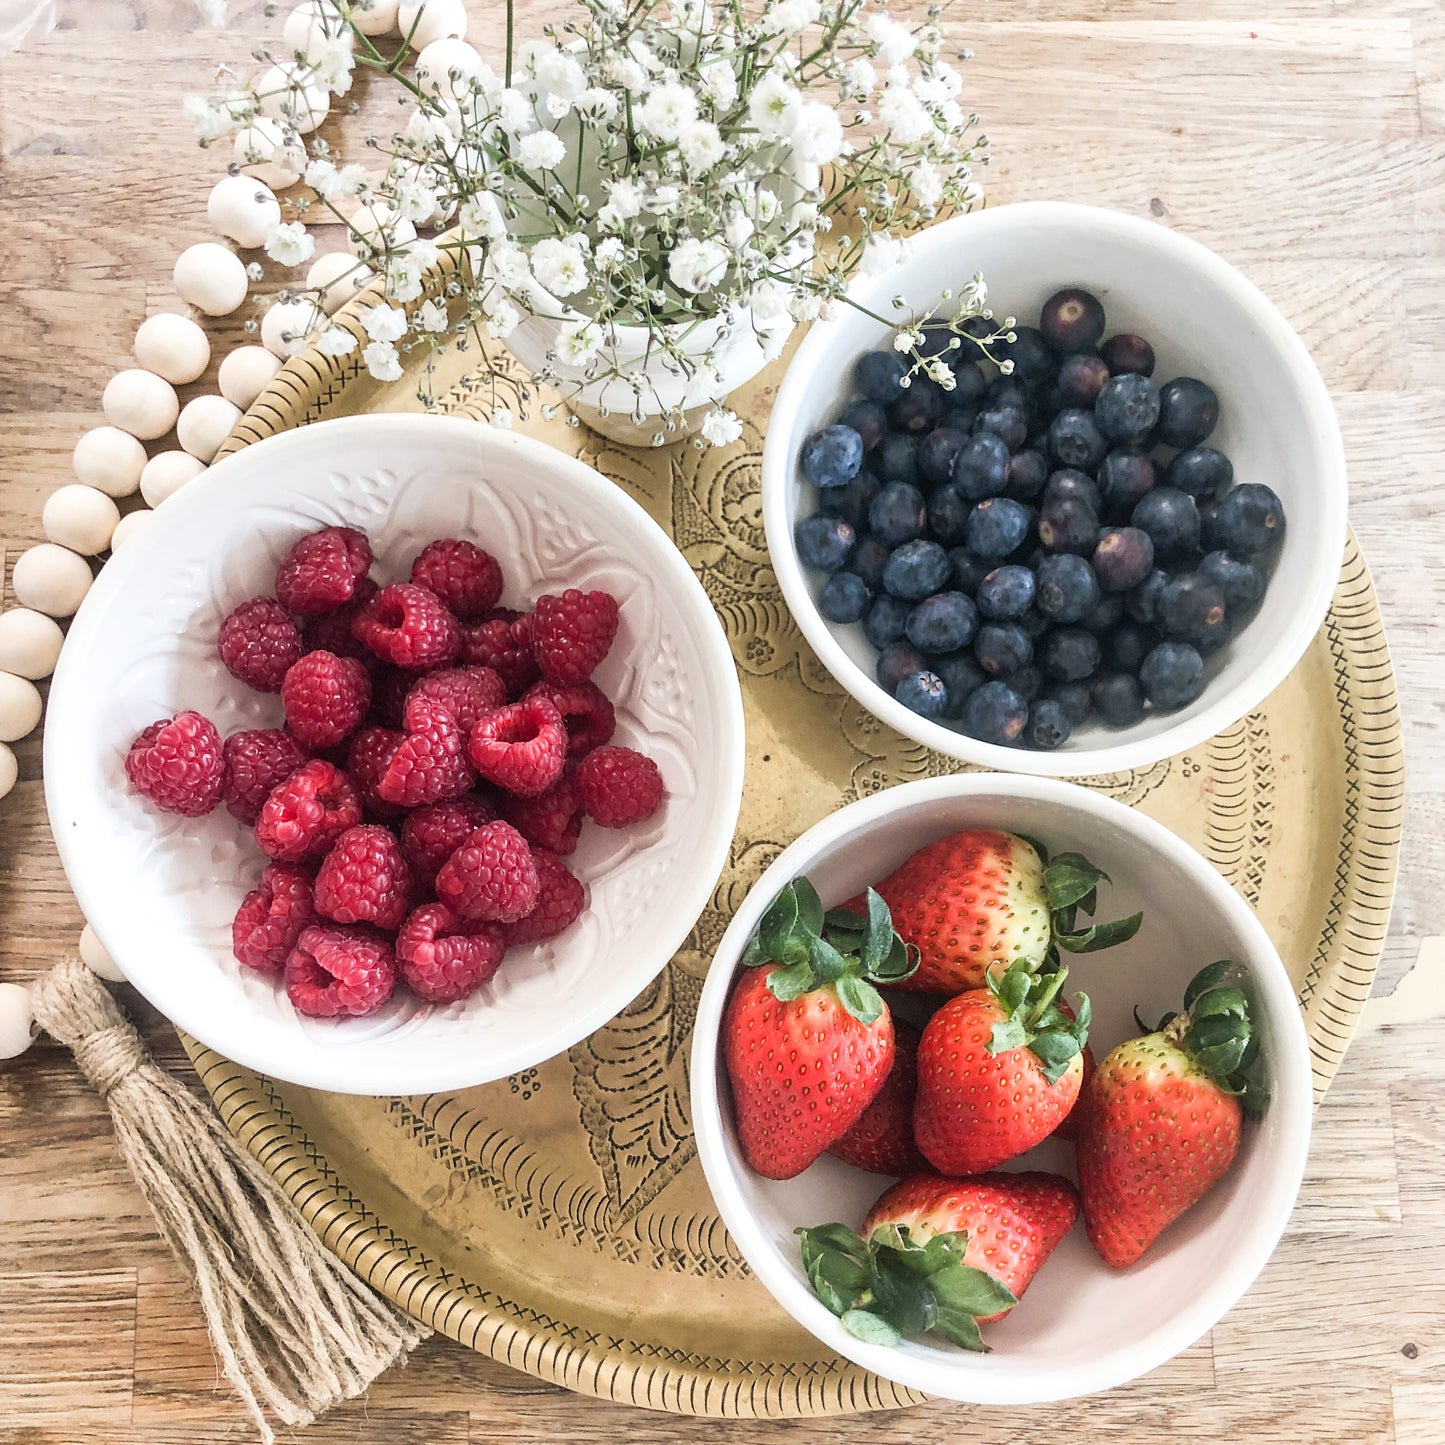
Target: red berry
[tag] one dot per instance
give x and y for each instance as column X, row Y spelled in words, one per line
column 504, row 645
column 256, row 760
column 552, row 820
column 178, row 763
column 367, row 760
column 560, row 901
column 322, row 571
column 325, row 698
column 429, row 765
column 491, row 876
column 389, row 689
column 465, row 692
column 573, row 633
column 335, row 971
column 406, row 625
column 442, row 957
column 520, row 747
column 307, row 813
column 331, row 631
column 364, row 879
column 258, row 642
column 468, row 580
column 589, row 717
column 431, row 834
column 272, row 916
column 618, row 786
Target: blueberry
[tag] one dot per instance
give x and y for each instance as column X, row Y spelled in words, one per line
column 1241, row 582
column 844, row 598
column 923, row 693
column 948, row 511
column 1081, row 378
column 867, row 562
column 1002, row 648
column 1027, row 472
column 824, row 542
column 961, row 676
column 1171, row 519
column 970, row 385
column 1070, row 654
column 1188, row 410
column 1105, row 615
column 918, row 408
column 916, row 570
column 1068, row 525
column 1034, row 624
column 1075, row 439
column 1068, row 482
column 1006, row 593
column 1007, row 423
column 1127, row 352
column 938, row 339
column 885, row 620
column 1067, row 588
column 942, row 623
column 1123, row 558
column 1250, row 519
column 1142, row 604
column 897, row 514
column 1010, row 392
column 1050, row 402
column 1072, row 320
column 851, row 502
column 1127, row 408
column 936, row 453
column 1191, row 609
column 995, row 713
column 896, row 459
column 1028, row 682
column 896, row 661
column 1049, row 725
column 866, row 418
column 831, row 457
column 959, row 418
column 1029, row 353
column 1125, row 476
column 997, row 526
column 981, row 465
column 1074, row 698
column 1172, row 676
column 877, row 374
column 1129, row 644
column 1208, row 508
column 1118, row 698
column 1201, row 471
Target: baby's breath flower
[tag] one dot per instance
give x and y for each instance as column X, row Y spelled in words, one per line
column 695, row 265
column 579, row 341
column 701, row 145
column 335, row 341
column 721, row 428
column 774, row 106
column 382, row 361
column 667, row 110
column 502, row 417
column 541, row 151
column 383, row 323
column 561, row 268
column 894, row 41
column 502, row 319
column 818, row 135
column 431, row 316
column 289, row 243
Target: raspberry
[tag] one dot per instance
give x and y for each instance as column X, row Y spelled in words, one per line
column 429, row 765
column 331, row 631
column 431, row 834
column 573, row 632
column 322, row 571
column 370, row 755
column 552, row 820
column 618, row 786
column 258, row 642
column 307, row 813
column 520, row 747
column 406, row 625
column 178, row 764
column 560, row 901
column 465, row 692
column 442, row 957
column 389, row 689
column 589, row 717
column 272, row 916
column 468, row 580
column 506, row 647
column 256, row 760
column 491, row 876
column 335, row 971
column 364, row 879
column 325, row 698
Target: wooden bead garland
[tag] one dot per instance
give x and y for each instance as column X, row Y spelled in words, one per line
column 50, row 579
column 29, row 643
column 244, row 210
column 204, row 424
column 17, row 1017
column 263, row 151
column 165, row 474
column 109, row 459
column 20, row 707
column 210, row 278
column 81, row 518
column 141, row 403
column 429, row 20
column 173, row 347
column 245, row 374
column 94, row 956
column 130, row 524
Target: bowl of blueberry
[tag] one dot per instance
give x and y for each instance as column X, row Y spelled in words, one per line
column 1079, row 550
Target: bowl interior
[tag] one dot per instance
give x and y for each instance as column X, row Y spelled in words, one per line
column 1082, row 1326
column 161, row 891
column 1205, row 320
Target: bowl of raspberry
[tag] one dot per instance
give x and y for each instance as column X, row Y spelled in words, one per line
column 1076, row 544
column 398, row 754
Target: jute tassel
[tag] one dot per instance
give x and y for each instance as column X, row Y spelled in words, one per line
column 296, row 1331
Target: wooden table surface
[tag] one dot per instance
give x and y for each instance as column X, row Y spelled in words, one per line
column 1302, row 139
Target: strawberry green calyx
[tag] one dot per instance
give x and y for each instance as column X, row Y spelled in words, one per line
column 1071, row 887
column 1034, row 1020
column 814, row 949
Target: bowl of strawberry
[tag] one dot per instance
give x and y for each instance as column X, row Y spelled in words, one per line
column 398, row 755
column 1001, row 1090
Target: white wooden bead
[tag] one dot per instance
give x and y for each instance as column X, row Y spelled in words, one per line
column 166, row 473
column 110, row 459
column 17, row 1017
column 172, row 346
column 289, row 325
column 428, row 20
column 369, row 221
column 206, row 422
column 338, row 275
column 210, row 278
column 29, row 643
column 286, row 96
column 243, row 210
column 265, row 151
column 94, row 956
column 375, row 17
column 245, row 373
column 20, row 707
column 130, row 524
column 435, row 64
column 141, row 403
column 51, row 579
column 80, row 518
column 311, row 28
column 9, row 772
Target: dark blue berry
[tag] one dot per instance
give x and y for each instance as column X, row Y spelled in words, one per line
column 844, row 598
column 938, row 340
column 851, row 502
column 1034, row 624
column 942, row 623
column 936, row 453
column 1081, row 378
column 1171, row 519
column 1250, row 520
column 1105, row 615
column 1125, row 476
column 970, row 385
column 959, row 418
column 896, row 661
column 868, row 419
column 896, row 459
column 981, row 466
column 877, row 374
column 1127, row 408
column 885, row 620
column 1129, row 644
column 1028, row 682
column 1029, row 353
column 867, row 562
column 1049, row 725
column 961, row 676
column 1074, row 698
column 995, row 713
column 1007, row 423
column 923, row 693
column 1191, row 609
column 1127, row 352
column 1070, row 483
column 824, row 542
column 1068, row 525
column 1123, row 558
column 1002, row 648
column 1070, row 654
column 1188, row 411
column 968, row 570
column 1208, row 508
column 917, row 409
column 1010, row 391
column 1072, row 320
column 1118, row 698
column 831, row 457
column 1006, row 593
column 1027, row 472
column 897, row 514
column 1142, row 604
column 997, row 526
column 1172, row 676
column 916, row 570
column 1201, row 471
column 1075, row 439
column 1241, row 582
column 1067, row 588
column 948, row 511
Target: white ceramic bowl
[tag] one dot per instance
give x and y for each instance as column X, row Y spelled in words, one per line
column 1082, row 1326
column 1204, row 319
column 161, row 890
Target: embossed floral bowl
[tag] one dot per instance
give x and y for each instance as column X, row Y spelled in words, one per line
column 1082, row 1326
column 161, row 890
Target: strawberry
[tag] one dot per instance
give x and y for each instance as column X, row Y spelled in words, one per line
column 1160, row 1124
column 1069, row 1126
column 807, row 1040
column 999, row 1068
column 882, row 1140
column 940, row 1255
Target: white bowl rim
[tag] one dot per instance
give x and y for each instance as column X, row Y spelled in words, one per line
column 360, row 1073
column 1233, row 702
column 1197, row 1314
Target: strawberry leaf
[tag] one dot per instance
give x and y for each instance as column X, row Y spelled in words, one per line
column 786, row 984
column 971, row 1291
column 1014, row 987
column 833, row 1259
column 1100, row 935
column 1207, row 978
column 778, row 921
column 844, row 918
column 903, row 959
column 903, row 1298
column 959, row 1328
column 1007, row 1034
column 1055, row 1050
column 828, row 964
column 754, row 954
column 810, row 906
column 870, row 1328
column 1070, row 880
column 859, row 997
column 878, row 941
column 845, row 940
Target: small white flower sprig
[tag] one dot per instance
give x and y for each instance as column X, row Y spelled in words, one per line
column 677, row 172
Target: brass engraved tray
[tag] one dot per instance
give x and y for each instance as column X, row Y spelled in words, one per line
column 558, row 1220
